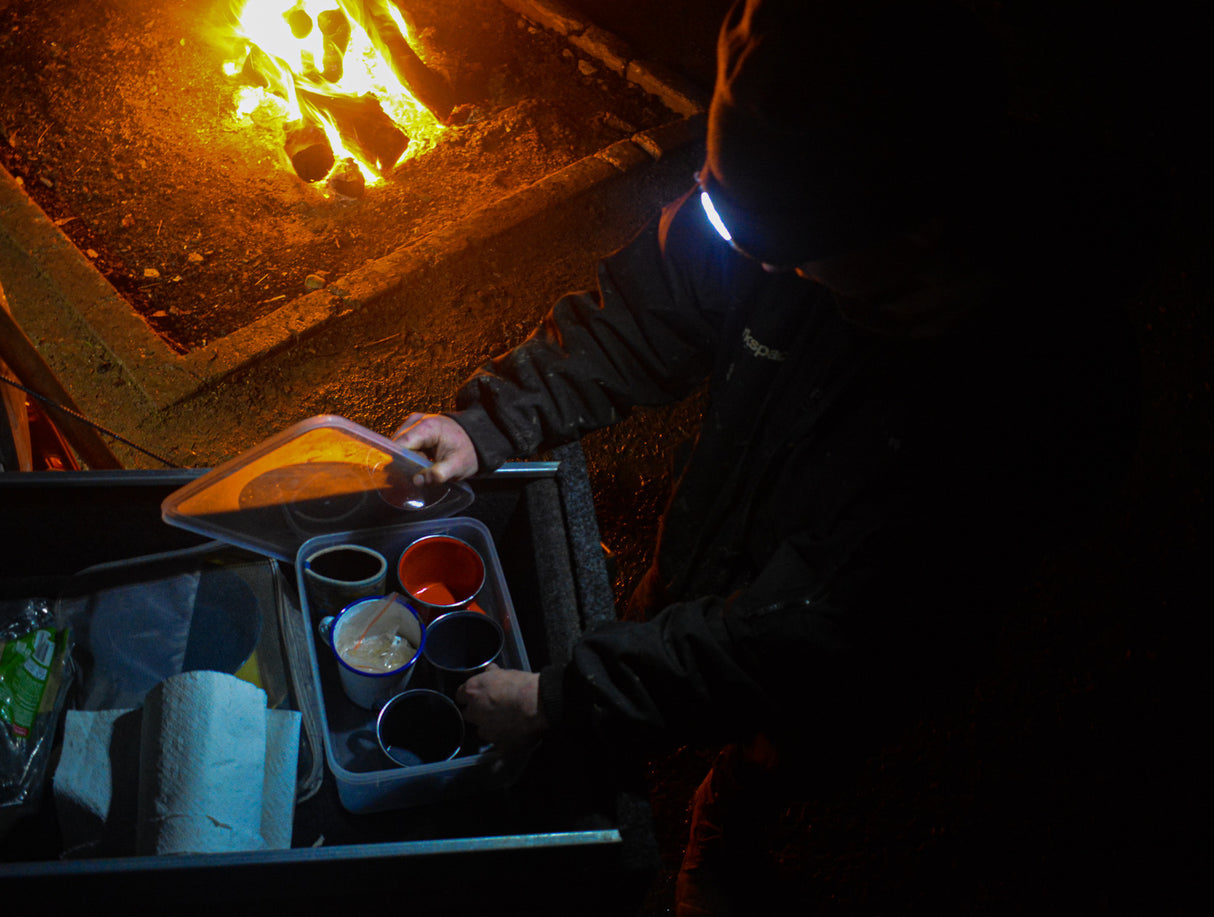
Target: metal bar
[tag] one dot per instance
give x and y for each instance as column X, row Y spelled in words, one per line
column 558, row 840
column 113, row 477
column 526, row 470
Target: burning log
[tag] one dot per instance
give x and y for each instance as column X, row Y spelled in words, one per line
column 256, row 69
column 299, row 21
column 18, row 352
column 311, row 87
column 309, row 150
column 332, row 66
column 335, row 27
column 363, row 125
column 347, row 179
column 428, row 87
column 308, row 69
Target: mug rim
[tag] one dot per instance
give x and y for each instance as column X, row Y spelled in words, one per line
column 332, row 639
column 467, row 613
column 346, row 546
column 379, row 717
column 459, row 603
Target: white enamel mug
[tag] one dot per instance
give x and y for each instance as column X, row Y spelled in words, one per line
column 377, row 642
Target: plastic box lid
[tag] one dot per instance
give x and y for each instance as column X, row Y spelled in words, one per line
column 323, row 474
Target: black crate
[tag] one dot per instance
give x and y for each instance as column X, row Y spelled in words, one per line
column 573, row 834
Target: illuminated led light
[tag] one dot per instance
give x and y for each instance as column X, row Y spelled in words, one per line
column 715, row 218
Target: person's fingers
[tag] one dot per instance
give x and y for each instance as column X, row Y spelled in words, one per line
column 424, row 433
column 443, row 470
column 410, row 420
column 444, row 442
column 477, row 692
column 448, row 466
column 479, row 684
column 414, row 433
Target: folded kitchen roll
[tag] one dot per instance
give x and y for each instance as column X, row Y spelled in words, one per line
column 282, row 766
column 96, row 780
column 203, row 767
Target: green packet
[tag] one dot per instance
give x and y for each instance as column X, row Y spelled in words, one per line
column 28, row 665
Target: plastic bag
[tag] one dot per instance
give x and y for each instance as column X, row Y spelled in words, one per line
column 139, row 621
column 36, row 671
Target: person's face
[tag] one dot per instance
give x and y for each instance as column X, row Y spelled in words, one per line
column 877, row 273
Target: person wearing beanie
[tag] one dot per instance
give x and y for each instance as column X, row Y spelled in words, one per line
column 907, row 315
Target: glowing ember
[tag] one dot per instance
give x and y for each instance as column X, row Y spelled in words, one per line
column 343, row 79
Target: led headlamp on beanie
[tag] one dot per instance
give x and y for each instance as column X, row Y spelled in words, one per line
column 836, row 124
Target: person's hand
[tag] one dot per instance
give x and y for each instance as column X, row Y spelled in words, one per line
column 444, row 442
column 504, row 706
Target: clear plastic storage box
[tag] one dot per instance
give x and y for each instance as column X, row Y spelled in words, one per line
column 365, row 781
column 327, row 481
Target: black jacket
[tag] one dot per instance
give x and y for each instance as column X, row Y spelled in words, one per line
column 858, row 507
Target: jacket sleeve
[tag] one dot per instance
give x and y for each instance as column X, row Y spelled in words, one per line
column 784, row 656
column 833, row 640
column 645, row 337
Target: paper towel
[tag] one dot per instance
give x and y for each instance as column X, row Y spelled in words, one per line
column 282, row 767
column 202, row 765
column 95, row 782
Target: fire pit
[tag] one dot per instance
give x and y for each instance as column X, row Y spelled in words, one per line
column 210, row 219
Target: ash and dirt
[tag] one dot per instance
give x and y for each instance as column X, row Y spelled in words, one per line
column 122, row 125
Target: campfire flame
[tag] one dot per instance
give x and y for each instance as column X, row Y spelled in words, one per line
column 331, row 70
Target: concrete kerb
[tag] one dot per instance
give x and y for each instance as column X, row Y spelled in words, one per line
column 69, row 299
column 165, row 377
column 677, row 93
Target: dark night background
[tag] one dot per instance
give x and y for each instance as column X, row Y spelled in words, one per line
column 1078, row 780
